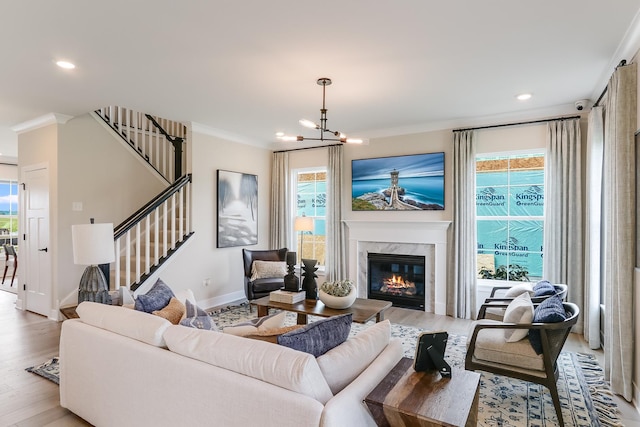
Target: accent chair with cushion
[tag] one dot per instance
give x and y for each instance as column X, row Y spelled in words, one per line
column 521, row 348
column 259, row 282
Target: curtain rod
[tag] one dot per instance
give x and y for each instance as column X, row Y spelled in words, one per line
column 621, row 64
column 517, row 124
column 307, row 148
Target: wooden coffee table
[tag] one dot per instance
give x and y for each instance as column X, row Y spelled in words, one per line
column 409, row 398
column 362, row 310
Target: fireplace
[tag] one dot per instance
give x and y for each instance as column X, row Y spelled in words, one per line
column 399, row 279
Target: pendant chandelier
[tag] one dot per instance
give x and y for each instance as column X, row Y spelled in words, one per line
column 322, row 127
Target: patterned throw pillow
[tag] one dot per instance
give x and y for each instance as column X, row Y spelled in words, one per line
column 318, row 337
column 198, row 318
column 268, row 269
column 156, row 299
column 550, row 310
column 251, row 327
column 172, row 312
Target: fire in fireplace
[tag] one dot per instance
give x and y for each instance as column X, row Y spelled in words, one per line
column 397, row 278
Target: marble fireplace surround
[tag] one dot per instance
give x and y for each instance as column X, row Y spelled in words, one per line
column 425, row 238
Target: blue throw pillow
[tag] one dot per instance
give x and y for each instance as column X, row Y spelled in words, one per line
column 156, row 299
column 550, row 310
column 198, row 318
column 543, row 288
column 318, row 337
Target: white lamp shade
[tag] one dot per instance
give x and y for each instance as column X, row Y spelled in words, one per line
column 303, row 223
column 93, row 244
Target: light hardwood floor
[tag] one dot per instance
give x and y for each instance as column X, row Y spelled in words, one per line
column 27, row 339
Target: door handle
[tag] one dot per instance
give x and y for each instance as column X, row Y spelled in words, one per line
column 43, row 250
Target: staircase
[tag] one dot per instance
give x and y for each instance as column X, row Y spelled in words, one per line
column 148, row 238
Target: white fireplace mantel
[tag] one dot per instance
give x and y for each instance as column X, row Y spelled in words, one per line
column 363, row 233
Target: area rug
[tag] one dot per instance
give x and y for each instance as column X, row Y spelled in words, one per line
column 49, row 370
column 506, row 402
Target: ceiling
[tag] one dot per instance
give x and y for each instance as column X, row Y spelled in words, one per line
column 245, row 70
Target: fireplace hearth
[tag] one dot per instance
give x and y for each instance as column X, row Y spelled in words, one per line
column 399, row 279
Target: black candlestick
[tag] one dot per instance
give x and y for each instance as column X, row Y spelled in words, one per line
column 291, row 281
column 309, row 282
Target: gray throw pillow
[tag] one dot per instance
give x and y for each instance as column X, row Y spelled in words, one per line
column 156, row 299
column 198, row 318
column 543, row 288
column 318, row 337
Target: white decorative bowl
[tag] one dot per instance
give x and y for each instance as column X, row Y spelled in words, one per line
column 337, row 302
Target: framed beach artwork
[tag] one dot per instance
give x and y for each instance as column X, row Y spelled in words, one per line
column 399, row 183
column 237, row 209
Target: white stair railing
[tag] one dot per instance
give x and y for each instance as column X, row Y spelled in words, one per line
column 146, row 239
column 150, row 142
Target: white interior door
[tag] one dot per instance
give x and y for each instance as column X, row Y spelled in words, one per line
column 37, row 265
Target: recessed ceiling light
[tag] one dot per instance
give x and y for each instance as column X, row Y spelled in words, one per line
column 66, row 65
column 524, row 96
column 279, row 134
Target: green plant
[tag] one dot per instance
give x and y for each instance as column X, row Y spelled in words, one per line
column 339, row 288
column 514, row 272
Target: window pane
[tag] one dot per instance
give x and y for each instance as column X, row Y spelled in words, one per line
column 491, row 201
column 526, row 200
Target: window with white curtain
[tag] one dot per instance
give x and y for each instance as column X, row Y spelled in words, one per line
column 510, row 215
column 310, row 200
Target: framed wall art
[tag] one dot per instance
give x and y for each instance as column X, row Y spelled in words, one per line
column 237, row 209
column 398, row 183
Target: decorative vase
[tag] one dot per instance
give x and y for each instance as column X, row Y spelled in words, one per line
column 338, row 302
column 291, row 281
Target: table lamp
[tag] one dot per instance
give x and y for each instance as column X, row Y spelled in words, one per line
column 302, row 224
column 93, row 245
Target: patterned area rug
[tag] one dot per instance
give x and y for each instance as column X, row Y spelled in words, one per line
column 49, row 370
column 506, row 402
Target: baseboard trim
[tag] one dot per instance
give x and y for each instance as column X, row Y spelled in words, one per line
column 222, row 299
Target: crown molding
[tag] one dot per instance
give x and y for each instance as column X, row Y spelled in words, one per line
column 42, row 121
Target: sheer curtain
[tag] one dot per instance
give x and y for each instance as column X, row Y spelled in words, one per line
column 336, row 257
column 619, row 225
column 280, row 232
column 593, row 241
column 461, row 291
column 563, row 259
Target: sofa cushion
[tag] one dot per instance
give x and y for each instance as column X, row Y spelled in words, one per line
column 274, row 364
column 319, row 337
column 344, row 363
column 156, row 298
column 551, row 310
column 520, row 310
column 198, row 318
column 265, row 269
column 264, row 323
column 173, row 311
column 491, row 347
column 543, row 288
column 123, row 321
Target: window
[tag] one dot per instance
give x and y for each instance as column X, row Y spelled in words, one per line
column 311, row 201
column 510, row 215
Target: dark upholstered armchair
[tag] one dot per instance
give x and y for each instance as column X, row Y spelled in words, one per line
column 261, row 287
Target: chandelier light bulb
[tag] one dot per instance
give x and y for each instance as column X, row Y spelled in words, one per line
column 308, row 124
column 287, row 138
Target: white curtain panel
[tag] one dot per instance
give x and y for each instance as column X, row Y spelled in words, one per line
column 593, row 242
column 336, row 257
column 619, row 221
column 280, row 230
column 563, row 249
column 461, row 291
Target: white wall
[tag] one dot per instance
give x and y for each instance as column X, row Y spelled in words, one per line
column 200, row 259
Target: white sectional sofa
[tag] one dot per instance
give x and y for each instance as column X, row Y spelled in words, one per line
column 121, row 367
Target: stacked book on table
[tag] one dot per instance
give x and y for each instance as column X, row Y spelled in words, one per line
column 286, row 297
